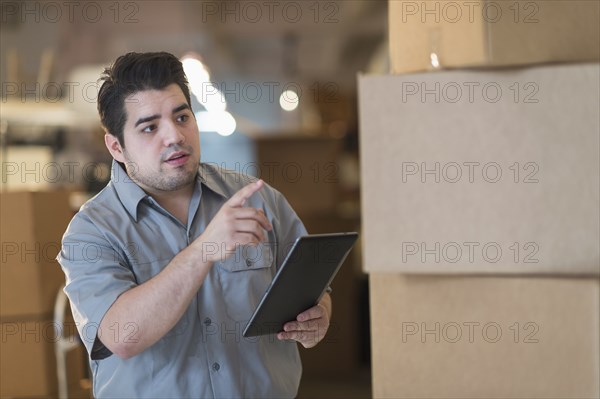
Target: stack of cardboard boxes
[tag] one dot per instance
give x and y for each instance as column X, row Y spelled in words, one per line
column 30, row 279
column 481, row 200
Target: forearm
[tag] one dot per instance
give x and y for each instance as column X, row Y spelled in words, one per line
column 144, row 314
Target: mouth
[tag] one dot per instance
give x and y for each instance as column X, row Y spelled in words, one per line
column 177, row 158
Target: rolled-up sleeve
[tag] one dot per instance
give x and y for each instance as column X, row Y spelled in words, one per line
column 96, row 275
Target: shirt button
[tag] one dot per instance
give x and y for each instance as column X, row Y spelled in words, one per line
column 207, row 321
column 248, row 262
column 216, row 366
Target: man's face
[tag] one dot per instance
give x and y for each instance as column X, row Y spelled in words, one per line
column 161, row 140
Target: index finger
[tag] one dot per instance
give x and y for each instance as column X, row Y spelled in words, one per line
column 239, row 199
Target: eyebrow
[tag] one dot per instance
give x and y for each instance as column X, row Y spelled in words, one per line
column 175, row 110
column 181, row 108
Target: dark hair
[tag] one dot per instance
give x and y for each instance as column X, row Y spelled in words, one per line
column 131, row 73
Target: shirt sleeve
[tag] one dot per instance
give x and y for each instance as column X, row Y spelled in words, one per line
column 96, row 275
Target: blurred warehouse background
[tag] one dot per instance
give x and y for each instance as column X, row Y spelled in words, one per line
column 274, row 91
column 475, row 186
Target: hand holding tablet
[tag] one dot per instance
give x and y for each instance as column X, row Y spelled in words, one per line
column 300, row 283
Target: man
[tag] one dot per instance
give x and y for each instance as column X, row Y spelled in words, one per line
column 166, row 264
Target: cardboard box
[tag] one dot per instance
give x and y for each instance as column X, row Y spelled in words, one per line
column 27, row 168
column 491, row 33
column 32, row 227
column 304, row 168
column 28, row 361
column 482, row 171
column 484, row 337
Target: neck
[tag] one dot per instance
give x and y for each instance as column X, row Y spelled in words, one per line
column 176, row 202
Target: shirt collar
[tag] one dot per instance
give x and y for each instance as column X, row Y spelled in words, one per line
column 130, row 194
column 208, row 177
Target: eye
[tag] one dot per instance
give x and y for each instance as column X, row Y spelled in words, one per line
column 183, row 118
column 149, row 129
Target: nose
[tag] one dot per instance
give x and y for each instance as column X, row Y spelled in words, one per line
column 172, row 135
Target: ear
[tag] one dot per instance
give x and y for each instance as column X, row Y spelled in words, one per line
column 114, row 147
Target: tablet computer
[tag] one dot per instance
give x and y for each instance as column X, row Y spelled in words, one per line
column 301, row 281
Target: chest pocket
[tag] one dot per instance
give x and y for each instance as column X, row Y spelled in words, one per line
column 244, row 278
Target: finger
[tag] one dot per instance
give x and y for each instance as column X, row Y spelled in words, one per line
column 240, row 198
column 300, row 336
column 308, row 340
column 313, row 313
column 248, row 213
column 253, row 214
column 250, row 226
column 311, row 325
column 282, row 336
column 246, row 239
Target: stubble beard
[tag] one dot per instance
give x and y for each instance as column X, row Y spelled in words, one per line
column 161, row 181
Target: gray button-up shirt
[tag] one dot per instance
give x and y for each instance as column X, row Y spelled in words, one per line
column 122, row 237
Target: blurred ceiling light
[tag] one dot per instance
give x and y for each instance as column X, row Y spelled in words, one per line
column 195, row 71
column 206, row 92
column 221, row 122
column 211, row 98
column 289, row 100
